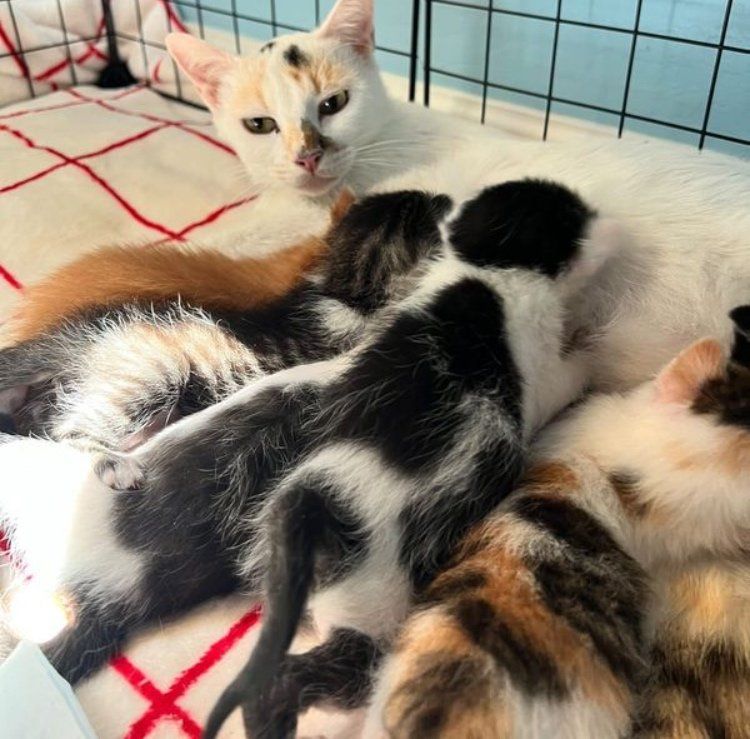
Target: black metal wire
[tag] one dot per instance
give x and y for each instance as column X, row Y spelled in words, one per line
column 715, row 74
column 21, row 51
column 487, row 53
column 199, row 14
column 47, row 47
column 427, row 53
column 629, row 76
column 274, row 25
column 112, row 40
column 236, row 28
column 414, row 49
column 636, row 33
column 66, row 41
column 317, row 11
column 175, row 69
column 588, row 24
column 552, row 67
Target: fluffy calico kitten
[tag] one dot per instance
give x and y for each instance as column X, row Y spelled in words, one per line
column 700, row 662
column 115, row 374
column 184, row 536
column 540, row 628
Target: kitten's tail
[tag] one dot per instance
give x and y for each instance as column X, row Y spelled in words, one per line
column 300, row 521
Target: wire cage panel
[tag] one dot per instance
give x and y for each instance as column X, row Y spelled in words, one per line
column 673, row 68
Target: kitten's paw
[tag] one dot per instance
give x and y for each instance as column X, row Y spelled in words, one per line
column 121, row 472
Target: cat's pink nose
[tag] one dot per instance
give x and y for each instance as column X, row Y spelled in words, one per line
column 309, row 161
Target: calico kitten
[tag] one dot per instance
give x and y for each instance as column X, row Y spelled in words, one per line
column 700, row 662
column 113, row 376
column 541, row 625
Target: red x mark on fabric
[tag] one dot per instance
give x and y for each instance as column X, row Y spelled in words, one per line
column 65, row 160
column 163, row 704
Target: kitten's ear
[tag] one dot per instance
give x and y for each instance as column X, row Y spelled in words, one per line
column 680, row 381
column 351, row 22
column 205, row 65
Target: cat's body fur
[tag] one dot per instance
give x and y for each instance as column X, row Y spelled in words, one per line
column 543, row 624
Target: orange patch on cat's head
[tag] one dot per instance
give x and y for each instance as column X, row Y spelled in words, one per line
column 246, row 92
column 681, row 380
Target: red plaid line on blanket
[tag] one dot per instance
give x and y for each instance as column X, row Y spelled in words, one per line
column 164, row 704
column 64, row 160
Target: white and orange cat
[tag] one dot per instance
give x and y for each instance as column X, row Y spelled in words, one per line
column 308, row 114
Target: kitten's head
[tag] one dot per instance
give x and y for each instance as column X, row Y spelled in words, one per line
column 377, row 242
column 297, row 112
column 685, row 437
column 536, row 225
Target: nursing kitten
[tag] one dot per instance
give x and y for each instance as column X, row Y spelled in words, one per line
column 183, row 534
column 114, row 374
column 541, row 626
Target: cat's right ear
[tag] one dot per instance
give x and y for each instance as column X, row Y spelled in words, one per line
column 681, row 380
column 351, row 22
column 205, row 65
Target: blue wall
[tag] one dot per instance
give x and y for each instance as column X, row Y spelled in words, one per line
column 670, row 79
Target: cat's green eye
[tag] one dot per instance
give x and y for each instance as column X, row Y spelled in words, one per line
column 334, row 104
column 260, row 125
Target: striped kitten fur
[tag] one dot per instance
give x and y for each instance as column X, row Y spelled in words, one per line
column 113, row 375
column 605, row 597
column 699, row 686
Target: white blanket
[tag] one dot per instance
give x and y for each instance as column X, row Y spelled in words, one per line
column 84, row 167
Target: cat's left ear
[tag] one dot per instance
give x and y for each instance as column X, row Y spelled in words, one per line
column 351, row 22
column 205, row 65
column 681, row 380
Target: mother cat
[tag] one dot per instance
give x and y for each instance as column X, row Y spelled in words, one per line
column 301, row 108
column 310, row 112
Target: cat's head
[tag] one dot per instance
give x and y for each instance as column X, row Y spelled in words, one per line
column 299, row 111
